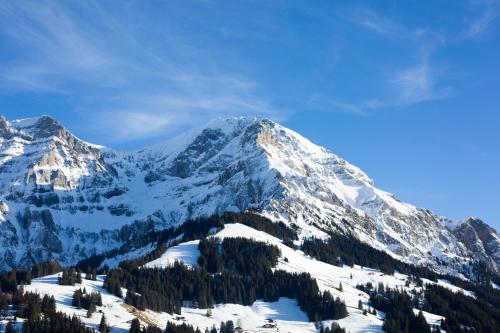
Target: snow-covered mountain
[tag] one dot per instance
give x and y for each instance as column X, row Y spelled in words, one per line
column 63, row 198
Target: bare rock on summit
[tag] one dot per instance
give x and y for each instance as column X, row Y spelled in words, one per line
column 480, row 239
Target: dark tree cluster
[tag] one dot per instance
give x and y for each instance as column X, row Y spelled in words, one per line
column 462, row 311
column 277, row 229
column 113, row 282
column 10, row 294
column 352, row 251
column 155, row 254
column 225, row 327
column 183, row 328
column 40, row 313
column 484, row 292
column 69, row 277
column 334, row 328
column 483, row 275
column 91, row 274
column 248, row 257
column 210, row 258
column 5, row 300
column 56, row 323
column 190, row 230
column 239, row 255
column 31, row 306
column 11, row 280
column 46, row 268
column 81, row 299
column 398, row 307
column 245, row 282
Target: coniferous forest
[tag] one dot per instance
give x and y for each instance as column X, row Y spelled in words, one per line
column 239, row 270
column 244, row 275
column 462, row 311
column 352, row 251
column 39, row 313
column 225, row 327
column 398, row 308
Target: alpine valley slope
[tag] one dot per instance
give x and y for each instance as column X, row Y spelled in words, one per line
column 62, row 198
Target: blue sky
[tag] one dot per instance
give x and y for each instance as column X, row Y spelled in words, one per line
column 407, row 90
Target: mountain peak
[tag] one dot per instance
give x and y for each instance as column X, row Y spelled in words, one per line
column 3, row 125
column 232, row 121
column 228, row 164
column 37, row 127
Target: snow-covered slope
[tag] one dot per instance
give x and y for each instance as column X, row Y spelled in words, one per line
column 285, row 312
column 63, row 198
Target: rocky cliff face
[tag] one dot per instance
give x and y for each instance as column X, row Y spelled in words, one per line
column 480, row 239
column 63, row 198
column 46, row 174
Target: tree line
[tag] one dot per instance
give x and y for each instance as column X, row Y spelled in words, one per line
column 249, row 278
column 189, row 230
column 351, row 251
column 461, row 311
column 70, row 277
column 81, row 299
column 399, row 315
column 225, row 327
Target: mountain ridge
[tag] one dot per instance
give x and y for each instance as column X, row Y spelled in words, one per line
column 58, row 189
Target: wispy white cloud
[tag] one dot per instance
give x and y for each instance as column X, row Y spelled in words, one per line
column 405, row 87
column 53, row 46
column 387, row 27
column 481, row 25
column 418, row 84
column 332, row 104
column 121, row 86
column 151, row 115
column 401, row 85
column 137, row 124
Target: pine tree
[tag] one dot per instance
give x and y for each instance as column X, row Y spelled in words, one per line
column 78, row 276
column 89, row 313
column 135, row 326
column 48, row 305
column 230, row 326
column 9, row 328
column 103, row 326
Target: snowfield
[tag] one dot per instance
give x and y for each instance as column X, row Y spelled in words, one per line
column 186, row 252
column 286, row 313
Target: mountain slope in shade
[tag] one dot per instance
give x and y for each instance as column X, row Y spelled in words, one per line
column 57, row 189
column 480, row 239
